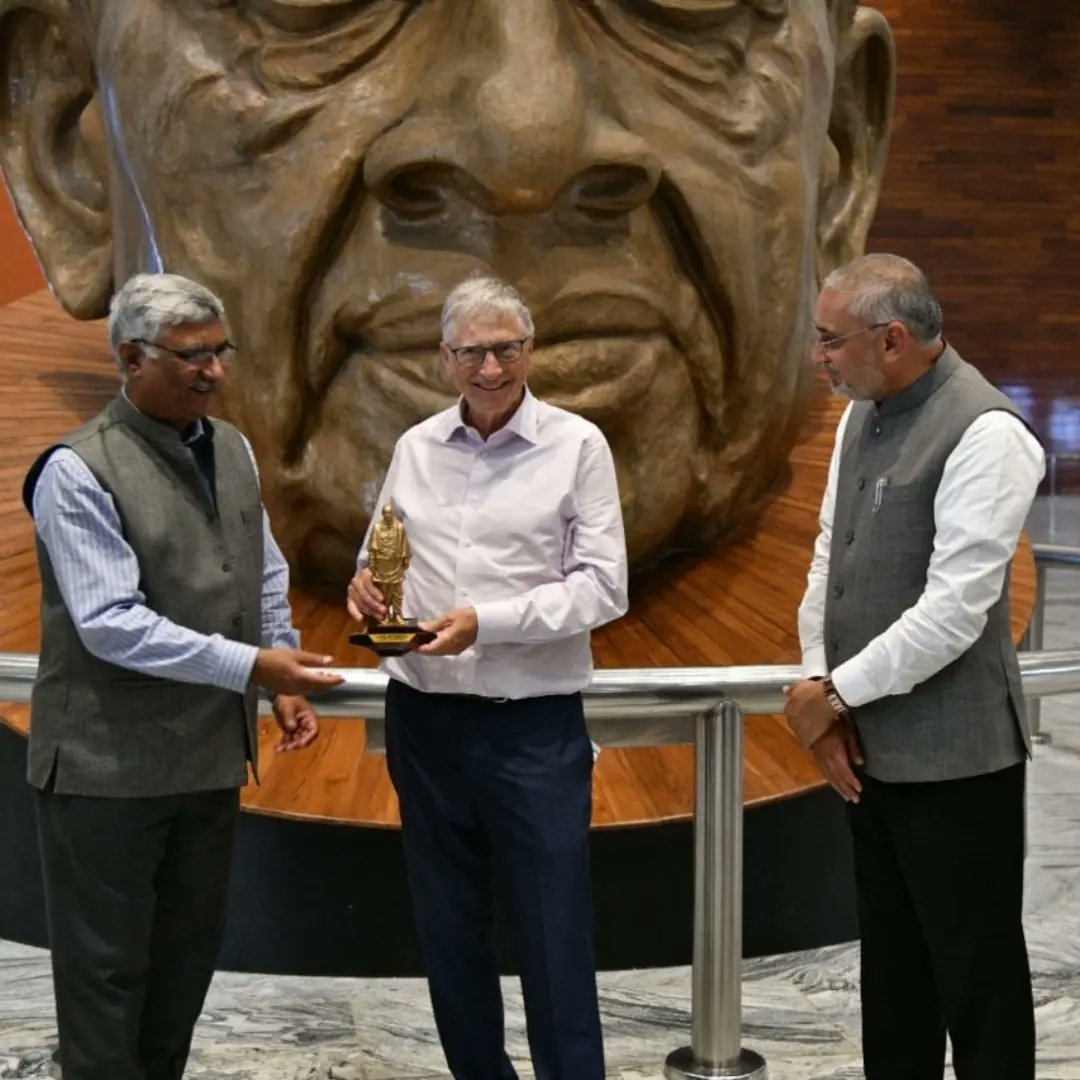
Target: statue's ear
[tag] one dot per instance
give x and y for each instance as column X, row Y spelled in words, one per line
column 854, row 160
column 53, row 149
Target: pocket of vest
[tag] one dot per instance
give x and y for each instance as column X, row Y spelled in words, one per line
column 135, row 681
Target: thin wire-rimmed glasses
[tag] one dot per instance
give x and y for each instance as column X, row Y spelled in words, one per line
column 828, row 342
column 505, row 352
column 225, row 352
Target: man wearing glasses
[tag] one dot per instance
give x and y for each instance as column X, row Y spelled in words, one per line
column 163, row 606
column 513, row 515
column 912, row 704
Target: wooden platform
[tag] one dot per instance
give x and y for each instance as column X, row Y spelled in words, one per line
column 735, row 605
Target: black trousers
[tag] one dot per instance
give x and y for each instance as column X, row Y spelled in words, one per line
column 500, row 791
column 939, row 877
column 135, row 892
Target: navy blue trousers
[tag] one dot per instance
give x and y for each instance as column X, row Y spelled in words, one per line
column 500, row 792
column 939, row 873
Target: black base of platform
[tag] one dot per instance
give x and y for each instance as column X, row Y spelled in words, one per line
column 314, row 898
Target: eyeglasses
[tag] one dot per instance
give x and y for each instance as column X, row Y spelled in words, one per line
column 828, row 342
column 505, row 352
column 198, row 357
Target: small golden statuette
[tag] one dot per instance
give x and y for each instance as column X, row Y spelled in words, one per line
column 389, row 555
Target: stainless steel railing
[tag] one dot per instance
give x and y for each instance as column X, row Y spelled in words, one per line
column 665, row 706
column 1046, row 556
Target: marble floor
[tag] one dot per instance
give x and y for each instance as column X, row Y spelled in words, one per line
column 800, row 1010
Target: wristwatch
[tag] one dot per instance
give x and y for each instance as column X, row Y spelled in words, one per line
column 832, row 696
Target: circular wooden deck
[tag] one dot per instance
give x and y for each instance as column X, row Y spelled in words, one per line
column 734, row 605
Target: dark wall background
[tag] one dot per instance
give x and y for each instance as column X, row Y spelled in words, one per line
column 982, row 188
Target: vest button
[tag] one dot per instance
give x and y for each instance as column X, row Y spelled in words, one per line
column 849, row 536
column 876, row 429
column 834, row 643
column 861, row 483
column 226, row 566
column 838, row 589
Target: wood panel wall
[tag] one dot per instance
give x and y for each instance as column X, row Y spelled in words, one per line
column 982, row 188
column 20, row 274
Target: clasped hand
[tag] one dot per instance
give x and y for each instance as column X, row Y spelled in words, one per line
column 834, row 743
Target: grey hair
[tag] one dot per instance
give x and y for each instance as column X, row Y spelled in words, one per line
column 888, row 288
column 480, row 295
column 148, row 304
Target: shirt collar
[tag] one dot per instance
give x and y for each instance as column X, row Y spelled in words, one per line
column 927, row 384
column 524, row 423
column 200, row 430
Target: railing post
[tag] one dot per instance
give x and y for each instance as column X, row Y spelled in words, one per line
column 1033, row 642
column 715, row 1048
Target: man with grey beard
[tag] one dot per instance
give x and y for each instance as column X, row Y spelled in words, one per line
column 912, row 704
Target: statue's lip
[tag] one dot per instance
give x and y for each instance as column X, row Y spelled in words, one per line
column 598, row 341
column 406, row 325
column 597, row 377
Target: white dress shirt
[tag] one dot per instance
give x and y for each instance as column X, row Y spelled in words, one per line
column 526, row 528
column 986, row 489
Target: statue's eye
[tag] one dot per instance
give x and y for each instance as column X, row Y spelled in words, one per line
column 307, row 44
column 307, row 16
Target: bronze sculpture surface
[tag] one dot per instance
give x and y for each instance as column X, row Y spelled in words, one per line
column 665, row 180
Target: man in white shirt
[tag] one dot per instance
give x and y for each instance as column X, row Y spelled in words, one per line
column 513, row 516
column 912, row 704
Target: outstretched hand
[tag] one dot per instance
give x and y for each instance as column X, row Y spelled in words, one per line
column 293, row 671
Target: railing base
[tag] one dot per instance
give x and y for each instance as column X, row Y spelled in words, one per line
column 680, row 1065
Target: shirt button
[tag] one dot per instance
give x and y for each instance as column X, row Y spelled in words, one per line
column 861, row 483
column 849, row 536
column 838, row 590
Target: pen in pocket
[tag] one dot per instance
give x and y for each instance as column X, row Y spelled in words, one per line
column 879, row 492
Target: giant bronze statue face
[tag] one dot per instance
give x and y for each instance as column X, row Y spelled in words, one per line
column 664, row 180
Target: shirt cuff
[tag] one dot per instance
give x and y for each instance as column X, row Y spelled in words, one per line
column 813, row 662
column 236, row 661
column 853, row 685
column 283, row 638
column 496, row 622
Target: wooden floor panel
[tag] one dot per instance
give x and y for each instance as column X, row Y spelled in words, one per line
column 735, row 605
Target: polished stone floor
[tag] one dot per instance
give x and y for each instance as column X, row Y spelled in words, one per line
column 799, row 1010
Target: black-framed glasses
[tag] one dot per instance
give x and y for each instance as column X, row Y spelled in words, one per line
column 828, row 342
column 505, row 352
column 199, row 356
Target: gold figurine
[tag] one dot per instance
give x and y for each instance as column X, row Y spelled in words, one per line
column 389, row 555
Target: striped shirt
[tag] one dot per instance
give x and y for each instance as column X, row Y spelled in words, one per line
column 98, row 575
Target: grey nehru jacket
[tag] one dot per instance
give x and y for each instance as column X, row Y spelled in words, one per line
column 969, row 718
column 100, row 729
